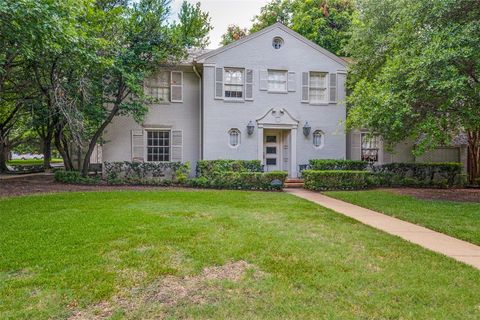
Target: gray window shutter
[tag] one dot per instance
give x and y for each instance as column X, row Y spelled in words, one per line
column 333, row 87
column 138, row 149
column 218, row 83
column 177, row 146
column 249, row 84
column 176, row 86
column 305, row 91
column 292, row 82
column 356, row 145
column 263, row 80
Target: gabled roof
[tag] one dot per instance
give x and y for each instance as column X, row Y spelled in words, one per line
column 201, row 58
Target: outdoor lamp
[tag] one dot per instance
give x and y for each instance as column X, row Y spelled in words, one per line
column 306, row 129
column 250, row 128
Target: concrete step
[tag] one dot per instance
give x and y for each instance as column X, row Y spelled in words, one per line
column 293, row 184
column 293, row 180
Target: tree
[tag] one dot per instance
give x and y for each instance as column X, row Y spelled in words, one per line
column 234, row 33
column 25, row 25
column 273, row 12
column 416, row 73
column 325, row 22
column 140, row 40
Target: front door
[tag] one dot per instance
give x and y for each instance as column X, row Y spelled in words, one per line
column 271, row 150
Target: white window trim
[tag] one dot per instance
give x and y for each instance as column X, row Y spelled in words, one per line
column 286, row 81
column 145, row 143
column 327, row 89
column 239, row 137
column 242, row 99
column 322, row 139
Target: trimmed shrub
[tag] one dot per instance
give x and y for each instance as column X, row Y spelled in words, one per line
column 210, row 168
column 329, row 164
column 337, row 179
column 423, row 174
column 149, row 173
column 74, row 177
column 241, row 180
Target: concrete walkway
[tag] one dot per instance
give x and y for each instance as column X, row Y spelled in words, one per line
column 457, row 249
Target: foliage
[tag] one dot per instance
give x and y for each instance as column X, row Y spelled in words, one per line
column 329, row 164
column 336, row 179
column 126, row 172
column 208, row 168
column 422, row 174
column 74, row 177
column 327, row 23
column 193, row 25
column 457, row 219
column 416, row 73
column 246, row 180
column 233, row 33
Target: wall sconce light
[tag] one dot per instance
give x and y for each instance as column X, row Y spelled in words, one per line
column 306, row 129
column 250, row 128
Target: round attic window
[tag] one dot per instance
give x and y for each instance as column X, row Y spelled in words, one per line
column 277, row 43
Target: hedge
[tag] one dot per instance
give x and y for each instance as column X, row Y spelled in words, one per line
column 209, row 168
column 422, row 174
column 329, row 164
column 155, row 173
column 74, row 177
column 337, row 179
column 273, row 180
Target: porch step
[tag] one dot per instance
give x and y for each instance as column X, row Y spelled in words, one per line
column 294, row 183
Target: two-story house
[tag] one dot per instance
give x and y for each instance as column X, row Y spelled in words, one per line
column 273, row 96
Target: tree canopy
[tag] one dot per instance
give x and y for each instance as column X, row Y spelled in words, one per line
column 74, row 65
column 416, row 72
column 325, row 22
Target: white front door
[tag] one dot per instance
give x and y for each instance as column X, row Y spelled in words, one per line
column 272, row 151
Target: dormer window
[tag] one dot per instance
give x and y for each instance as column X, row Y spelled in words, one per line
column 277, row 43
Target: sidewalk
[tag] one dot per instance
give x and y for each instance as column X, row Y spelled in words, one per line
column 457, row 249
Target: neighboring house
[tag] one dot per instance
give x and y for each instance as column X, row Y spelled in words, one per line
column 273, row 96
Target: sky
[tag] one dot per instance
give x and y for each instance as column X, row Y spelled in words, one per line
column 224, row 13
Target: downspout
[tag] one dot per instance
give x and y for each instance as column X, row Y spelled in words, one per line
column 200, row 100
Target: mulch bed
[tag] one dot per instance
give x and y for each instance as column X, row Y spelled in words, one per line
column 46, row 184
column 464, row 195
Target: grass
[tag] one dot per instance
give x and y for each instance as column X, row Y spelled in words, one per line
column 66, row 252
column 31, row 162
column 457, row 219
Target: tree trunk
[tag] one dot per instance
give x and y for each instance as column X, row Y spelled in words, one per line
column 96, row 136
column 3, row 158
column 63, row 149
column 47, row 150
column 473, row 156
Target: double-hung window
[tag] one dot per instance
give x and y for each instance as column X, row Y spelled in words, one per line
column 234, row 83
column 277, row 80
column 160, row 87
column 318, row 87
column 158, row 146
column 370, row 147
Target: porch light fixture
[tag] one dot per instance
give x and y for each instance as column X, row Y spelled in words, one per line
column 306, row 129
column 250, row 128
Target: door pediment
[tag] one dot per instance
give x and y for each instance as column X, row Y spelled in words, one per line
column 278, row 117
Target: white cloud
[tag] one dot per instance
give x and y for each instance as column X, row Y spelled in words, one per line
column 224, row 13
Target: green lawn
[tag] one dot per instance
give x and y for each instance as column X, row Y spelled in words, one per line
column 31, row 162
column 111, row 253
column 458, row 219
